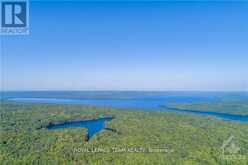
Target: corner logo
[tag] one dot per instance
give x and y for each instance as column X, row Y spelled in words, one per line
column 229, row 146
column 231, row 150
column 14, row 17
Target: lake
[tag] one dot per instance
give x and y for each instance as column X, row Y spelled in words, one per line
column 149, row 101
column 93, row 126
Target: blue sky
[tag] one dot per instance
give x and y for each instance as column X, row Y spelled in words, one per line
column 129, row 46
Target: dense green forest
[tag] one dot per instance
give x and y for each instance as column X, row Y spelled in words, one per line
column 141, row 137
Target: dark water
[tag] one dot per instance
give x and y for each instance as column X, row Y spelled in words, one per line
column 92, row 126
column 150, row 101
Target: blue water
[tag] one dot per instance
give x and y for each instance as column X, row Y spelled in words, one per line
column 125, row 99
column 150, row 101
column 92, row 126
column 223, row 116
column 147, row 104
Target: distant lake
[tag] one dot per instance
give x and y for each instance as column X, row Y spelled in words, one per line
column 150, row 101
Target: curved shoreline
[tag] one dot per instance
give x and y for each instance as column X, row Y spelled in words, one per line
column 223, row 116
column 139, row 105
column 86, row 124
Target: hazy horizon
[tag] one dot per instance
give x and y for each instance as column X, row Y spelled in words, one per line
column 104, row 90
column 126, row 46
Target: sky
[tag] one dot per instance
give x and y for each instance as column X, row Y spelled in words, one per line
column 78, row 45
